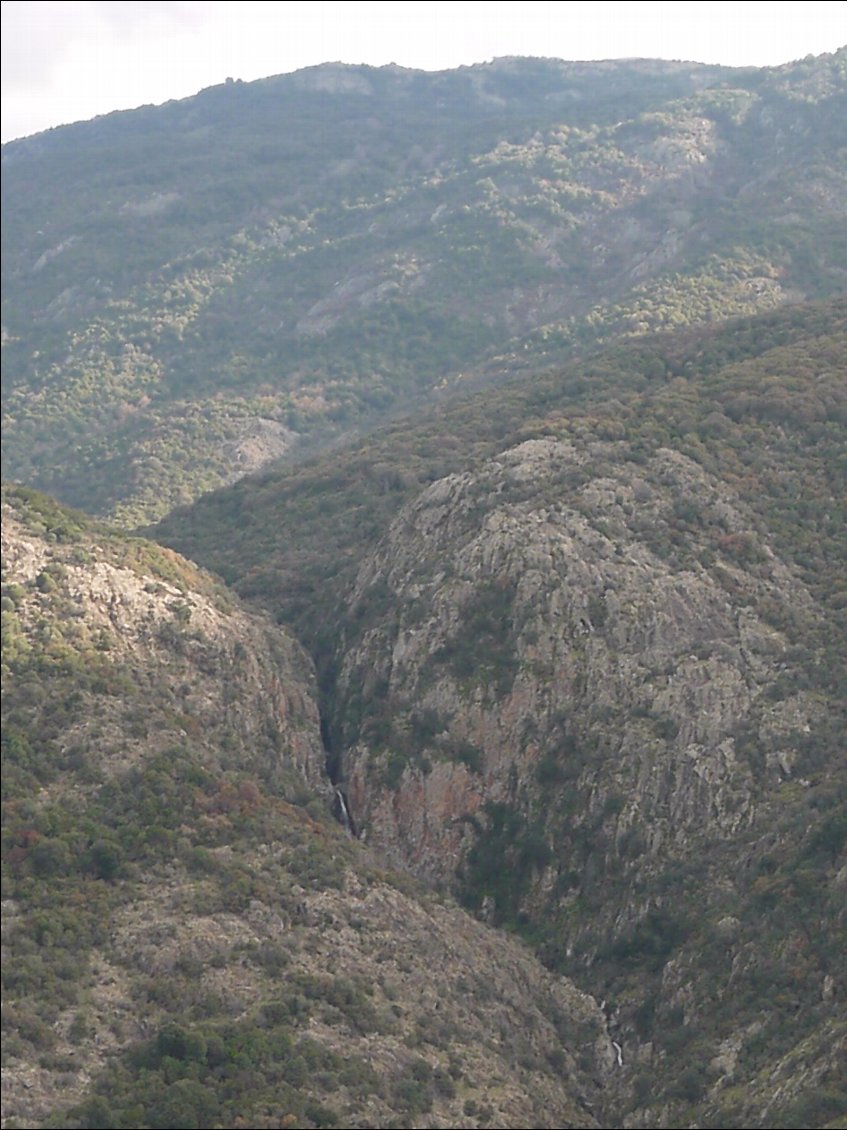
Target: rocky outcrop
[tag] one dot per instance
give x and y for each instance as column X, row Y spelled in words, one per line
column 201, row 665
column 577, row 688
column 586, row 626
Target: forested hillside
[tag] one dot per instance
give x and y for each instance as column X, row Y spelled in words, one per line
column 195, row 289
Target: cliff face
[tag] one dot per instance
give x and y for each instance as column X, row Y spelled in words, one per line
column 585, row 625
column 576, row 691
column 581, row 654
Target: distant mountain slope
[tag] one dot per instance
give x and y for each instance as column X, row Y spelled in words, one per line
column 189, row 940
column 194, row 290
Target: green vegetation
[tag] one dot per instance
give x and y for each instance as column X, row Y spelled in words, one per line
column 759, row 404
column 184, row 284
column 641, row 263
column 190, row 940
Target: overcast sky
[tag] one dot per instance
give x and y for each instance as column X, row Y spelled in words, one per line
column 63, row 62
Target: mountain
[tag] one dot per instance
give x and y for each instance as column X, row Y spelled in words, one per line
column 193, row 290
column 189, row 938
column 473, row 754
column 592, row 680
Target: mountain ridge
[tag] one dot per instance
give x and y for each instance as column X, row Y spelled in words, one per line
column 479, row 708
column 295, row 260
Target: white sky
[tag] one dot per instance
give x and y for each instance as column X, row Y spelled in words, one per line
column 67, row 61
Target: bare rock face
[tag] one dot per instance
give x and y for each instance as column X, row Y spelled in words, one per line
column 577, row 689
column 581, row 637
column 259, row 442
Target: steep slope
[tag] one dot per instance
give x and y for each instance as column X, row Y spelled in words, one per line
column 593, row 679
column 578, row 624
column 531, row 601
column 110, row 616
column 189, row 938
column 587, row 730
column 194, row 290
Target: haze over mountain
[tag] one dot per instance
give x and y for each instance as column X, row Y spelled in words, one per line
column 532, row 623
column 192, row 290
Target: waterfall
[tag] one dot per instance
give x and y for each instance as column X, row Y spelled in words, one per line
column 343, row 813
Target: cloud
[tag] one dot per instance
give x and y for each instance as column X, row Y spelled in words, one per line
column 38, row 38
column 32, row 43
column 66, row 61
